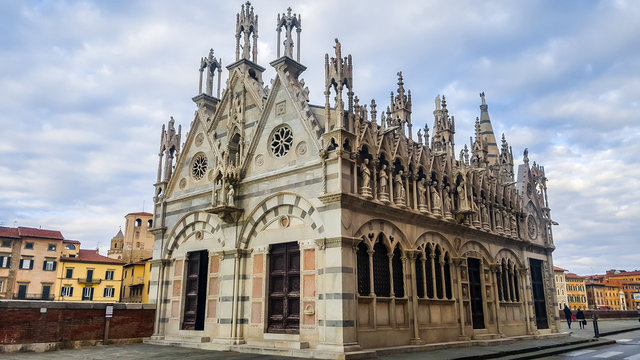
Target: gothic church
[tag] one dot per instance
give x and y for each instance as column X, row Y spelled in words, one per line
column 319, row 230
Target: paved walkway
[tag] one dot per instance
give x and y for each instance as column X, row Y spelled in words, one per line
column 145, row 351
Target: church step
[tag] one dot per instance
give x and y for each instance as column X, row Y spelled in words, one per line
column 188, row 338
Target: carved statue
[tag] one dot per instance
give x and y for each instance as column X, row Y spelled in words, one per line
column 438, row 103
column 446, row 202
column 383, row 180
column 485, row 215
column 230, row 194
column 400, row 192
column 435, row 198
column 421, row 192
column 463, row 202
column 366, row 174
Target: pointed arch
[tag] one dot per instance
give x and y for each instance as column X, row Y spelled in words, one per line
column 200, row 224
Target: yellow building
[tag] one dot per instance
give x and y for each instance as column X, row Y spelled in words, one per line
column 603, row 296
column 576, row 291
column 630, row 283
column 86, row 275
column 135, row 281
column 561, row 287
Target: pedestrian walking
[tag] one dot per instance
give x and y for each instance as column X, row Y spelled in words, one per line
column 568, row 315
column 580, row 317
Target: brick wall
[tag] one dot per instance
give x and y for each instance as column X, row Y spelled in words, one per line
column 606, row 314
column 24, row 322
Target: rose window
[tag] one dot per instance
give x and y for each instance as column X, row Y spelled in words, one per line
column 199, row 166
column 281, row 141
column 532, row 227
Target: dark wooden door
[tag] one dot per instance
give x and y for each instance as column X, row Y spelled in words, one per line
column 195, row 291
column 475, row 291
column 284, row 289
column 537, row 287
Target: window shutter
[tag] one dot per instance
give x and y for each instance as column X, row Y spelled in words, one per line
column 44, row 265
column 31, row 264
column 71, row 293
column 9, row 261
column 21, row 262
column 54, row 265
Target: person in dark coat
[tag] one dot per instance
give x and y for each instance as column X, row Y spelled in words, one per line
column 580, row 318
column 567, row 315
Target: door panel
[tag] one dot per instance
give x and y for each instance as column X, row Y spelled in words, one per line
column 475, row 289
column 284, row 289
column 195, row 291
column 537, row 287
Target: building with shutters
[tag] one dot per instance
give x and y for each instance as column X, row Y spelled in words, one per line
column 337, row 227
column 85, row 275
column 28, row 261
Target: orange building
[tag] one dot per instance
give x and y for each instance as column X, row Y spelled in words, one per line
column 576, row 291
column 629, row 282
column 605, row 296
column 28, row 262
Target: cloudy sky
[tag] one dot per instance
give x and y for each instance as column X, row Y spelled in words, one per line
column 86, row 85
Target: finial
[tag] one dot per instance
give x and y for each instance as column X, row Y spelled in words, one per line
column 482, row 97
column 400, row 83
column 438, row 102
column 444, row 102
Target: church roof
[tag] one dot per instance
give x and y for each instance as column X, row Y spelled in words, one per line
column 486, row 130
column 555, row 268
column 142, row 213
column 119, row 234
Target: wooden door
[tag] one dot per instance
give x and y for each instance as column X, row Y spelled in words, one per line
column 195, row 291
column 537, row 287
column 475, row 290
column 284, row 289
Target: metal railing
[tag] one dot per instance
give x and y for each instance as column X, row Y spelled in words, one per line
column 18, row 296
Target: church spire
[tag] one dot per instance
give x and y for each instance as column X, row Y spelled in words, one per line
column 247, row 25
column 486, row 130
column 289, row 22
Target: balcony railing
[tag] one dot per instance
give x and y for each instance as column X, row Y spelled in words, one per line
column 18, row 296
column 89, row 281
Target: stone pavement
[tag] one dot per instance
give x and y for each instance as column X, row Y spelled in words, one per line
column 506, row 349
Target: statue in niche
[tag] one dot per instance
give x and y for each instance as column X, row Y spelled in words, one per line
column 514, row 226
column 485, row 216
column 435, row 198
column 498, row 214
column 463, row 202
column 230, row 194
column 383, row 183
column 400, row 192
column 422, row 190
column 446, row 202
column 365, row 190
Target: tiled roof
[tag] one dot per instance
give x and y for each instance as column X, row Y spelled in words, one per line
column 572, row 275
column 142, row 213
column 66, row 241
column 555, row 268
column 9, row 232
column 92, row 256
column 30, row 232
column 626, row 273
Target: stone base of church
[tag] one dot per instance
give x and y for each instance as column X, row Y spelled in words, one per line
column 344, row 351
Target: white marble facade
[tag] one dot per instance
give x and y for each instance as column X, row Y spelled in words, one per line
column 338, row 227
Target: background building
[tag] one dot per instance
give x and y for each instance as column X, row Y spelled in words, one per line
column 28, row 261
column 135, row 281
column 86, row 275
column 576, row 291
column 561, row 287
column 137, row 242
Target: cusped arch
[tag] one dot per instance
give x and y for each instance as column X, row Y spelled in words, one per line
column 189, row 225
column 282, row 203
column 475, row 249
column 372, row 229
column 432, row 238
column 509, row 255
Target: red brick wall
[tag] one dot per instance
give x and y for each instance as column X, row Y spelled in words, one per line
column 24, row 323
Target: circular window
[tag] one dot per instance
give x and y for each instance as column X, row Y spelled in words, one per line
column 281, row 141
column 199, row 166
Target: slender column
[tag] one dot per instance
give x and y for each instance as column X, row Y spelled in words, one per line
column 512, row 290
column 375, row 180
column 354, row 182
column 391, row 273
column 433, row 275
column 390, row 183
column 415, row 195
column 159, row 166
column 371, row 290
column 298, row 47
column 413, row 309
column 459, row 299
column 423, row 260
column 200, row 82
column 278, row 42
column 494, row 272
column 219, row 77
column 234, row 308
column 444, row 287
column 255, row 46
column 525, row 296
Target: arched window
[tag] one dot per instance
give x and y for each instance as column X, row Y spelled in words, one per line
column 515, row 285
column 398, row 274
column 138, row 222
column 505, row 284
column 428, row 267
column 447, row 276
column 419, row 264
column 70, row 247
column 438, row 266
column 499, row 281
column 364, row 284
column 381, row 273
column 149, row 223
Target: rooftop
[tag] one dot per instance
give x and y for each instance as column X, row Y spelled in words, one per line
column 21, row 232
column 92, row 256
